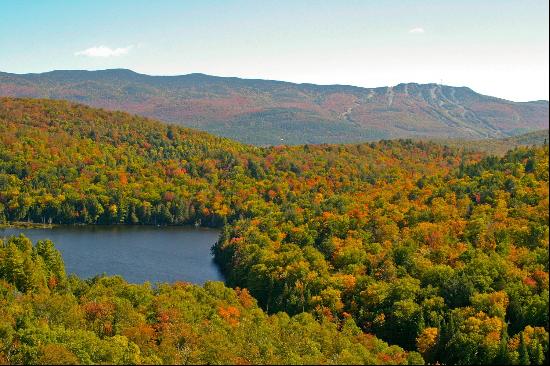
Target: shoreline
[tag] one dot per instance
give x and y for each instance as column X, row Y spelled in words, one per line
column 36, row 225
column 25, row 225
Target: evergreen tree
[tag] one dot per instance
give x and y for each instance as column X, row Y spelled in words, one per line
column 523, row 351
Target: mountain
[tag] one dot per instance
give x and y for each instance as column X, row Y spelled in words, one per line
column 275, row 112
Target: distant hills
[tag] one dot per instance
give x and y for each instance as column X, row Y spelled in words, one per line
column 275, row 112
column 497, row 146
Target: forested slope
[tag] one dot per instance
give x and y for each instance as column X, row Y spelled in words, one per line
column 500, row 146
column 427, row 248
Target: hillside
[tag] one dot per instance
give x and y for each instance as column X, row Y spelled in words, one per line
column 425, row 247
column 496, row 146
column 273, row 112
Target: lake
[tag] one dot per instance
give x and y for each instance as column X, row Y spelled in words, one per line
column 138, row 253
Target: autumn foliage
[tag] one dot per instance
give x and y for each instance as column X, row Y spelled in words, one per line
column 423, row 246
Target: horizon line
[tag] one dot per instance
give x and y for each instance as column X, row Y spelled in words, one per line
column 270, row 80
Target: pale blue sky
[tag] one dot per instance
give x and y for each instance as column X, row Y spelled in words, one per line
column 498, row 48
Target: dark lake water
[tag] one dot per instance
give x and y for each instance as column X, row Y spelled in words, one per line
column 138, row 253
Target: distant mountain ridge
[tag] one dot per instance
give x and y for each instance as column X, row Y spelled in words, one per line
column 274, row 112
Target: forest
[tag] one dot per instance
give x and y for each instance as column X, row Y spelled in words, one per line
column 49, row 318
column 388, row 252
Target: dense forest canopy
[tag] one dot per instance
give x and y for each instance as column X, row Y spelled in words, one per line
column 49, row 318
column 429, row 248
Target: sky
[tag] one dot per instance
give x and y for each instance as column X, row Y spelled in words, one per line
column 497, row 48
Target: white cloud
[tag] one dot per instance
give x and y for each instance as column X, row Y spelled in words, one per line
column 416, row 30
column 104, row 51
